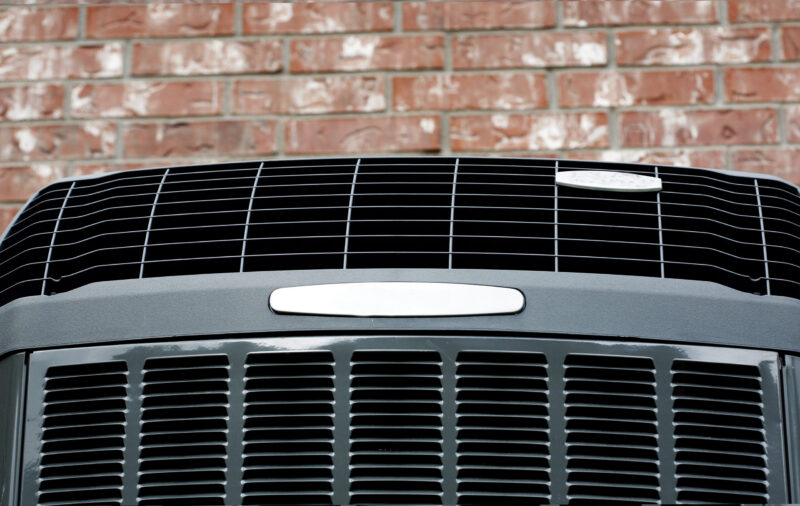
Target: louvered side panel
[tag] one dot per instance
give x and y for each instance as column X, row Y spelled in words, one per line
column 611, row 428
column 396, row 427
column 502, row 428
column 183, row 441
column 719, row 433
column 288, row 429
column 83, row 435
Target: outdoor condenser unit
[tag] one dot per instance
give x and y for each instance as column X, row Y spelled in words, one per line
column 402, row 330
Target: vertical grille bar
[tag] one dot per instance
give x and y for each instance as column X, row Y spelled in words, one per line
column 660, row 228
column 452, row 215
column 130, row 478
column 236, row 427
column 53, row 239
column 350, row 212
column 150, row 223
column 763, row 235
column 249, row 213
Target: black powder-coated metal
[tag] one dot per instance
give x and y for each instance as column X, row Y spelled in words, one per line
column 439, row 213
column 342, row 418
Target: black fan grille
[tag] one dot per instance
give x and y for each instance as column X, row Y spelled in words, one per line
column 441, row 213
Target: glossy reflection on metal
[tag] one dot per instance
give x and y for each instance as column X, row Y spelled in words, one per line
column 608, row 181
column 396, row 299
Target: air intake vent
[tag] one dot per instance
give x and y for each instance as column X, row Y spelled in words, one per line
column 439, row 213
column 396, row 427
column 288, row 438
column 612, row 430
column 183, row 447
column 415, row 419
column 503, row 432
column 83, row 436
column 719, row 433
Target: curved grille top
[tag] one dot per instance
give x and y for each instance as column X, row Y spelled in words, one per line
column 448, row 213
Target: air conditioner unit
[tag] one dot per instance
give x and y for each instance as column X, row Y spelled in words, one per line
column 402, row 330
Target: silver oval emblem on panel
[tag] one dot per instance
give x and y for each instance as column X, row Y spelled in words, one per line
column 396, row 299
column 608, row 181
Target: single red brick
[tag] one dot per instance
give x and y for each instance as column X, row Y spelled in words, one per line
column 37, row 101
column 744, row 11
column 762, row 84
column 6, row 215
column 310, row 95
column 529, row 50
column 199, row 139
column 638, row 12
column 146, row 98
column 504, row 132
column 790, row 40
column 158, row 20
column 317, row 17
column 361, row 135
column 36, row 62
column 207, row 57
column 367, row 52
column 20, row 182
column 705, row 158
column 693, row 46
column 793, row 123
column 32, row 23
column 635, row 87
column 470, row 91
column 675, row 127
column 783, row 163
column 57, row 142
column 478, row 15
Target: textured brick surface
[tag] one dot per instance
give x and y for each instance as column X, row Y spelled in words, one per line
column 636, row 87
column 206, row 57
column 471, row 91
column 642, row 12
column 35, row 101
column 317, row 17
column 670, row 127
column 529, row 132
column 311, row 95
column 57, row 142
column 529, row 50
column 29, row 23
column 158, row 20
column 35, row 62
column 362, row 135
column 744, row 11
column 478, row 15
column 694, row 46
column 98, row 87
column 762, row 84
column 367, row 52
column 200, row 139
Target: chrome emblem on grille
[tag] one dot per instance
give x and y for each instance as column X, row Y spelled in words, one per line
column 608, row 181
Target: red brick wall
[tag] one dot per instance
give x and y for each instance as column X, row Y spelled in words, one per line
column 92, row 88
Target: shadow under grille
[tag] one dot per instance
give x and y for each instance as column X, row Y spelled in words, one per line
column 611, row 429
column 83, row 436
column 720, row 446
column 183, row 437
column 396, row 427
column 503, row 444
column 438, row 213
column 288, row 428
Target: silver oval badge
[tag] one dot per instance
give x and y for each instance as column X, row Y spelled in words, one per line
column 608, row 181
